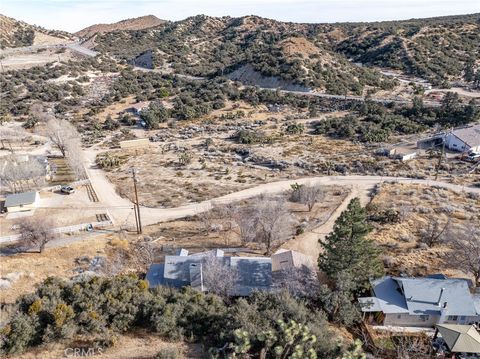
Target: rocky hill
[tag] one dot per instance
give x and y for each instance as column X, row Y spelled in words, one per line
column 14, row 33
column 138, row 23
column 436, row 48
column 318, row 56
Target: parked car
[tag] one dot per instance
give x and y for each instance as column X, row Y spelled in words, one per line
column 67, row 189
column 473, row 157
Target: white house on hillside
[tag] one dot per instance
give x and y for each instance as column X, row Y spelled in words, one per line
column 464, row 139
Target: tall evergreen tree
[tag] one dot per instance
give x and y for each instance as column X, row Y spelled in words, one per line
column 347, row 251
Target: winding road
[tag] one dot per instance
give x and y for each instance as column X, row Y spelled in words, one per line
column 360, row 186
column 121, row 208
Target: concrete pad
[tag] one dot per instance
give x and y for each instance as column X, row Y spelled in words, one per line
column 17, row 215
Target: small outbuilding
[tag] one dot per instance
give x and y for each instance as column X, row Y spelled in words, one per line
column 20, row 202
column 459, row 338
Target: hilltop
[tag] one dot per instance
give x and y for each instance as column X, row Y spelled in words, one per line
column 326, row 57
column 15, row 33
column 138, row 23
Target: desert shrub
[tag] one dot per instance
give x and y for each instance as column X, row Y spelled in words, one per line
column 108, row 160
column 385, row 216
column 155, row 113
column 294, row 128
column 248, row 137
column 170, row 353
column 100, row 308
column 110, row 124
column 128, row 120
column 30, row 122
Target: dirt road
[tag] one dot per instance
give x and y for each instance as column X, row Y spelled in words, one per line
column 121, row 209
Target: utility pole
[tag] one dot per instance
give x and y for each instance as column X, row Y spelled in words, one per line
column 134, row 174
column 136, row 217
column 440, row 158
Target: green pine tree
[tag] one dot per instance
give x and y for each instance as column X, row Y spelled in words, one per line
column 347, row 250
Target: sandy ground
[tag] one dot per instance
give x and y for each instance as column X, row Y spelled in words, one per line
column 65, row 210
column 45, row 39
column 36, row 267
column 138, row 345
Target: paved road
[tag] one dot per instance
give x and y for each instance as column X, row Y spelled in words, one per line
column 81, row 50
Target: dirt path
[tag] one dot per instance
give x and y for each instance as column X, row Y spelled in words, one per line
column 459, row 90
column 308, row 242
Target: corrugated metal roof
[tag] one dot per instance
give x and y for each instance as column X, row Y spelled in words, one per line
column 19, row 199
column 370, row 304
column 254, row 273
column 155, row 275
column 469, row 135
column 288, row 259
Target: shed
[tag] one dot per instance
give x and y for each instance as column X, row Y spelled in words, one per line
column 19, row 202
column 287, row 259
column 460, row 338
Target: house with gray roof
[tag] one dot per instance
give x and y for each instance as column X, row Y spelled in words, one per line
column 421, row 302
column 253, row 273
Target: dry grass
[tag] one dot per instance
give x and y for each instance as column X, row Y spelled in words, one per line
column 401, row 240
column 36, row 267
column 138, row 345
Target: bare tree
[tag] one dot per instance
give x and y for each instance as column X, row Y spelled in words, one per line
column 21, row 175
column 412, row 347
column 274, row 223
column 299, row 282
column 36, row 232
column 310, row 194
column 143, row 253
column 218, row 276
column 60, row 133
column 436, row 231
column 117, row 259
column 465, row 254
column 75, row 157
column 245, row 222
column 223, row 219
column 38, row 112
column 207, row 220
column 65, row 137
column 8, row 135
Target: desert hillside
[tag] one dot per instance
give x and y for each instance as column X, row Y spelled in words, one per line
column 326, row 57
column 138, row 23
column 14, row 33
